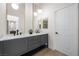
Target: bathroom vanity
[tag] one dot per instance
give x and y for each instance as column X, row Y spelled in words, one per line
column 18, row 45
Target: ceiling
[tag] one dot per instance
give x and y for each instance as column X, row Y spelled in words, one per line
column 50, row 5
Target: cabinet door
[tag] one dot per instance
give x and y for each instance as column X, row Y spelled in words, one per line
column 44, row 39
column 1, row 48
column 34, row 42
column 14, row 47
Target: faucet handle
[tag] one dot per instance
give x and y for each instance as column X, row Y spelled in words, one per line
column 20, row 33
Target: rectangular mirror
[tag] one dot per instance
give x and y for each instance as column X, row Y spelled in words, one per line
column 45, row 23
column 15, row 13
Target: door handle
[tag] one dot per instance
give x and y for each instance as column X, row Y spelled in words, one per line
column 56, row 32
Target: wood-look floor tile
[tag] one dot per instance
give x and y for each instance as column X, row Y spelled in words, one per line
column 48, row 52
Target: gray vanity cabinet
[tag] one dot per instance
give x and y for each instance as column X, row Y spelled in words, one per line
column 20, row 46
column 14, row 47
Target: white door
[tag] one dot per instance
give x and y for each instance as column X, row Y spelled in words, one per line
column 66, row 30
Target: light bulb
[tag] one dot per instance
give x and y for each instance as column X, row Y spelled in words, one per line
column 15, row 6
column 35, row 13
column 39, row 10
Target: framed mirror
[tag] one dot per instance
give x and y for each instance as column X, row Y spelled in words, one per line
column 45, row 23
column 12, row 23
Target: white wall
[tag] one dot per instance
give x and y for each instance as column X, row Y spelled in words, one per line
column 2, row 19
column 28, row 17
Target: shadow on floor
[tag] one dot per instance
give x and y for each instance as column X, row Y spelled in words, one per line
column 34, row 51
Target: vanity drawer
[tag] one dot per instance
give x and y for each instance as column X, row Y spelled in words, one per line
column 34, row 39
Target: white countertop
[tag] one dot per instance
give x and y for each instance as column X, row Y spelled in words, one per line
column 10, row 37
